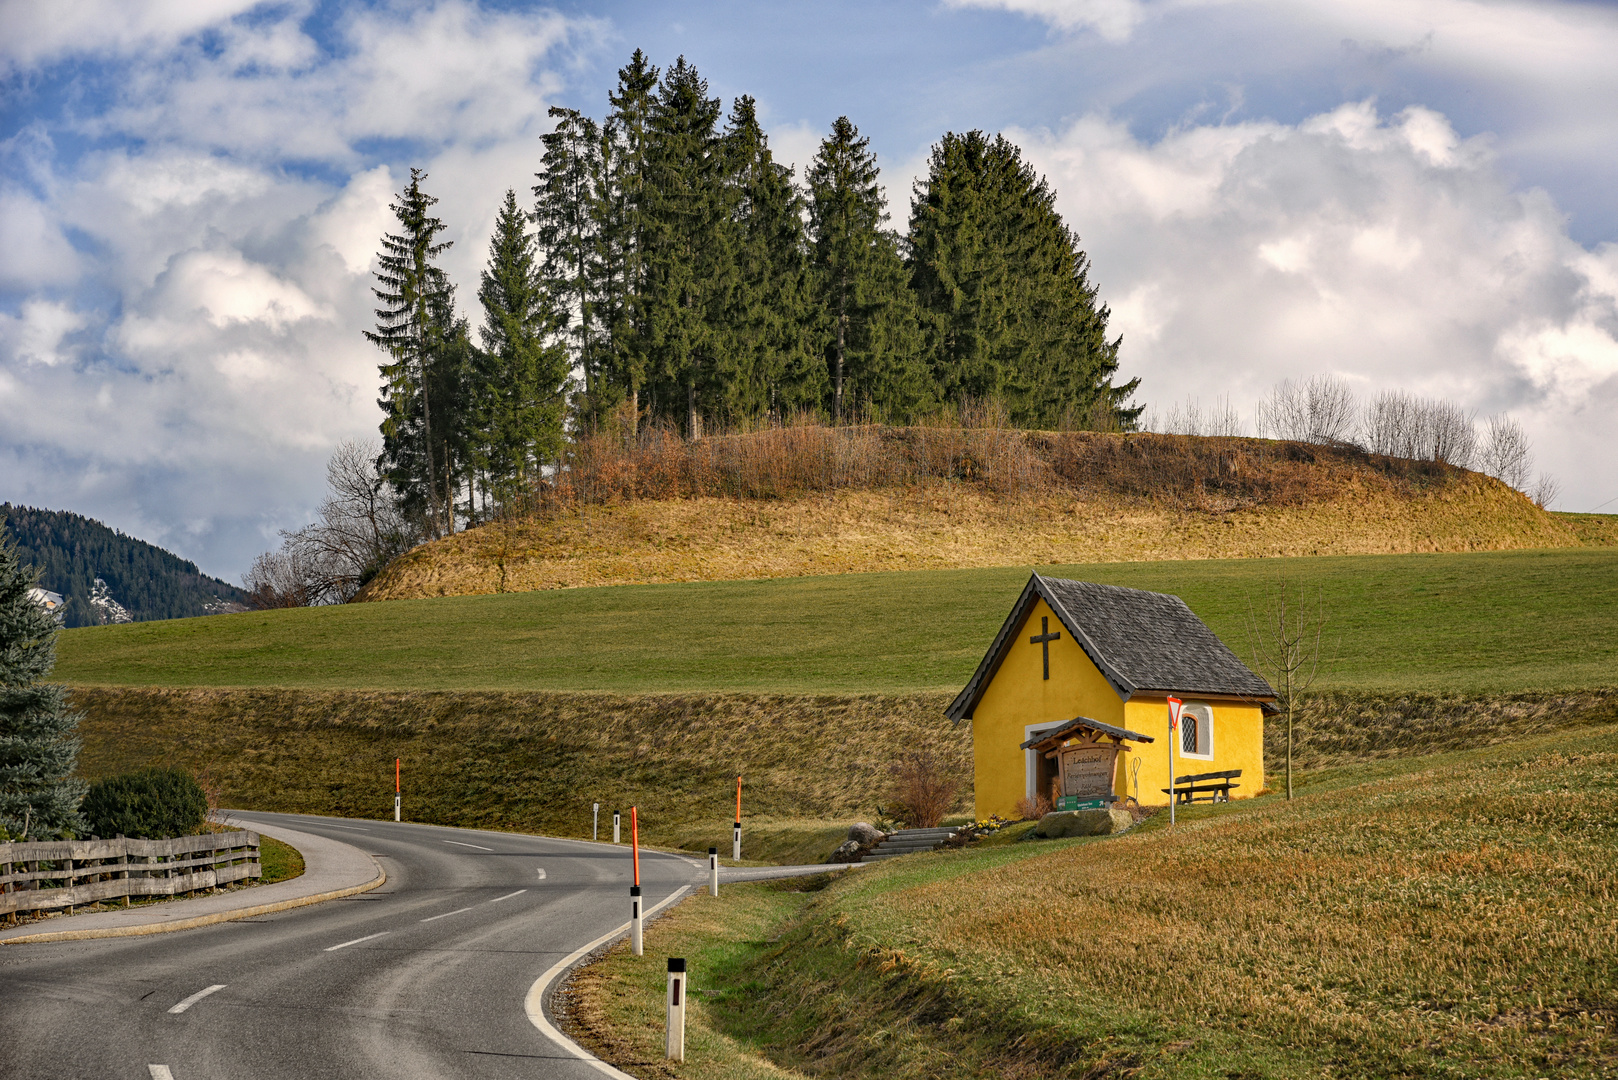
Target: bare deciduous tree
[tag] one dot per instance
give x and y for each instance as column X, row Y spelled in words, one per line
column 1505, row 455
column 1286, row 642
column 1319, row 410
column 1420, row 429
column 359, row 530
column 1546, row 489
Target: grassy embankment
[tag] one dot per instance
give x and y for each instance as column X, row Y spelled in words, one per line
column 485, row 697
column 1444, row 916
column 1503, row 621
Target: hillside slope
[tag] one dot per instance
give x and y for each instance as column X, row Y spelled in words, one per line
column 106, row 576
column 1487, row 621
column 721, row 513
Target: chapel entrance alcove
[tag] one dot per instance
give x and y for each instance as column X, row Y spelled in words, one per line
column 1078, row 762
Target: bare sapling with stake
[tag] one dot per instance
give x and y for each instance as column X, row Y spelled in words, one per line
column 1286, row 643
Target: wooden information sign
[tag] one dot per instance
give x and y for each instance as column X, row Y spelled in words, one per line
column 1087, row 771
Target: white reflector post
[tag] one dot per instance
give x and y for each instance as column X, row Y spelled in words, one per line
column 634, row 920
column 615, row 826
column 595, row 818
column 736, row 843
column 713, row 871
column 676, row 1006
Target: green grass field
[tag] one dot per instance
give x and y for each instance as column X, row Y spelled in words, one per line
column 1498, row 621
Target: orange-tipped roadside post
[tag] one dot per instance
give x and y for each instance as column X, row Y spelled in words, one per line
column 736, row 836
column 634, row 890
column 396, row 789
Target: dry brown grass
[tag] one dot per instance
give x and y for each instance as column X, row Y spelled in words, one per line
column 1449, row 917
column 531, row 761
column 946, row 525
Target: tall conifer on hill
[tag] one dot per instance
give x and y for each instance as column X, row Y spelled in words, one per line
column 772, row 369
column 622, row 203
column 867, row 315
column 427, row 349
column 1009, row 307
column 525, row 370
column 567, row 227
column 39, row 798
column 689, row 262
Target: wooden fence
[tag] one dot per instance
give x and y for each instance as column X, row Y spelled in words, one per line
column 57, row 874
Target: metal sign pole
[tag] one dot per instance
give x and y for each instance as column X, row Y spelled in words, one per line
column 1174, row 724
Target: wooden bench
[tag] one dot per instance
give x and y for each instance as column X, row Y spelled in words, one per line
column 1204, row 787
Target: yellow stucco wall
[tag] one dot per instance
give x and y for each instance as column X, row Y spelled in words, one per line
column 1019, row 695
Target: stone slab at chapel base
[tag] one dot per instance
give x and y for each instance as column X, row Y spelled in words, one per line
column 1102, row 822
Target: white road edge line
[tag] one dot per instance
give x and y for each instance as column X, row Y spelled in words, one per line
column 196, row 997
column 160, row 1072
column 480, row 847
column 356, row 941
column 508, row 896
column 446, row 914
column 534, row 1003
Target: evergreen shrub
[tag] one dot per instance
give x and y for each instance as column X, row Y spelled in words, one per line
column 151, row 803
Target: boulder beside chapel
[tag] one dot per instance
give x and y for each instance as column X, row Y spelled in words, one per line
column 1072, row 698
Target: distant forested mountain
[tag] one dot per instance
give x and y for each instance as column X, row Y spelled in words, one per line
column 105, row 576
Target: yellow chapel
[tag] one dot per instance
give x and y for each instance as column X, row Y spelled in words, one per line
column 1072, row 702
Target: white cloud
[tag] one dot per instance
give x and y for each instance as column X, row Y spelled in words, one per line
column 1384, row 249
column 38, row 33
column 37, row 334
column 189, row 378
column 36, row 252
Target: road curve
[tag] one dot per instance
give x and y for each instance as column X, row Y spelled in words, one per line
column 424, row 977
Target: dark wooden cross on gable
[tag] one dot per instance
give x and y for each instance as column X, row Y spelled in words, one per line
column 1043, row 639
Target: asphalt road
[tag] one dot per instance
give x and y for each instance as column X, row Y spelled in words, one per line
column 423, row 977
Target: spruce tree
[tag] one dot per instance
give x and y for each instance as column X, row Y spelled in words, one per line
column 622, row 204
column 867, row 315
column 566, row 229
column 689, row 265
column 39, row 798
column 772, row 367
column 525, row 370
column 1009, row 308
column 427, row 349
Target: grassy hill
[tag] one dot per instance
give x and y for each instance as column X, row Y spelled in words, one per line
column 1472, row 623
column 798, row 501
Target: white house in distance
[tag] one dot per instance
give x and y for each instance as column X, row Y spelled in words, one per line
column 50, row 601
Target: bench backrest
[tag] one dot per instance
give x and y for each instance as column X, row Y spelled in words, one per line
column 1230, row 774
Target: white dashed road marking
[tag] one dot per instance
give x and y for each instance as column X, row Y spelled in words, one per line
column 194, row 998
column 508, row 896
column 542, row 873
column 356, row 941
column 160, row 1072
column 457, row 843
column 446, row 914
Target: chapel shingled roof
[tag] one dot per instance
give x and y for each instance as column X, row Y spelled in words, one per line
column 1142, row 642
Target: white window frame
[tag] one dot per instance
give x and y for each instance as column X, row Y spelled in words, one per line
column 1205, row 731
column 1030, row 760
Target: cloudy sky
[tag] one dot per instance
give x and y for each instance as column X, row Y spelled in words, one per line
column 1412, row 195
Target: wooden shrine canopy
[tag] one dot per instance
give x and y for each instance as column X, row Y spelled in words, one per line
column 1088, row 769
column 1049, row 740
